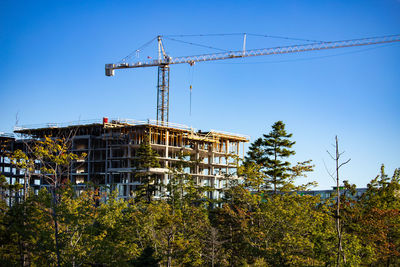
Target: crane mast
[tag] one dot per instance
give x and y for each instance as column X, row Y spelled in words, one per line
column 164, row 61
column 162, row 85
column 163, row 94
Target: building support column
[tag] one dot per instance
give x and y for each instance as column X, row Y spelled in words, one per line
column 166, row 165
column 89, row 159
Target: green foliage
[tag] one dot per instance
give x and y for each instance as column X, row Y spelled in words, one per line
column 147, row 159
column 251, row 227
column 55, row 158
column 182, row 190
column 146, row 259
column 376, row 220
column 269, row 154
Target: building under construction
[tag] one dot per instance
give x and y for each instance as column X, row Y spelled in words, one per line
column 111, row 147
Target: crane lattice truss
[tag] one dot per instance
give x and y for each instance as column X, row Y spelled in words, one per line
column 165, row 60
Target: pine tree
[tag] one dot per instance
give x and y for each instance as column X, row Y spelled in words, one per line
column 147, row 158
column 277, row 148
column 256, row 152
column 270, row 152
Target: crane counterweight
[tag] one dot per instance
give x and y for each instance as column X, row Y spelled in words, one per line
column 110, row 69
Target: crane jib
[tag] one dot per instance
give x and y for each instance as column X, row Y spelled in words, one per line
column 164, row 61
column 257, row 52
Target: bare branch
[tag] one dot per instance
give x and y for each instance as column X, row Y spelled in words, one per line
column 326, row 168
column 330, row 155
column 344, row 163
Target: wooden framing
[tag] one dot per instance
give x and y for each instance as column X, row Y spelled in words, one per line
column 111, row 152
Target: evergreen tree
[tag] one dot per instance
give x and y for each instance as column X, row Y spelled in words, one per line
column 256, row 152
column 147, row 159
column 277, row 148
column 270, row 152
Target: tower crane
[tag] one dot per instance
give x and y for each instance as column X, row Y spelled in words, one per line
column 164, row 61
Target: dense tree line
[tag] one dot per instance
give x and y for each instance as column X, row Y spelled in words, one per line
column 261, row 221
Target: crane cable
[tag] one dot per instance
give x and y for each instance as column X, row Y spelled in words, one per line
column 196, row 44
column 203, row 35
column 137, row 51
column 251, row 34
column 191, row 75
column 284, row 37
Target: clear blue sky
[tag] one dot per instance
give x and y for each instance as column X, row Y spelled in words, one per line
column 53, row 54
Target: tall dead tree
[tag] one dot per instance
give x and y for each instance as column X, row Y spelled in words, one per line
column 335, row 176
